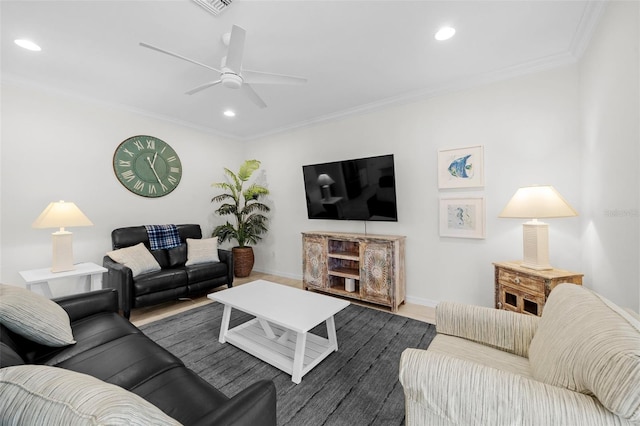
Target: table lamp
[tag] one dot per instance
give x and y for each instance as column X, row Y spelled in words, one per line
column 324, row 180
column 60, row 215
column 537, row 202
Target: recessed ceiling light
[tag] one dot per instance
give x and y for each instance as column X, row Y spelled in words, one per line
column 445, row 33
column 28, row 44
column 229, row 113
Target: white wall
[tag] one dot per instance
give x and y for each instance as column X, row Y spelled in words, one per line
column 575, row 128
column 611, row 153
column 59, row 148
column 530, row 131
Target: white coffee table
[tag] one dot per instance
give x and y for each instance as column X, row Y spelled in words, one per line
column 279, row 335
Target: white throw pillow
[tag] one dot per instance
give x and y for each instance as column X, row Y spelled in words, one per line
column 43, row 395
column 137, row 258
column 34, row 316
column 203, row 250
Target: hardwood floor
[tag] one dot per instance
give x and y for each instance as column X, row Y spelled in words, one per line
column 143, row 316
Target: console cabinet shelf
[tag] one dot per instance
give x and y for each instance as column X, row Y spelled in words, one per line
column 369, row 267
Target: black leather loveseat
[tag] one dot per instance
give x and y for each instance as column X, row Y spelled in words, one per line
column 174, row 280
column 110, row 348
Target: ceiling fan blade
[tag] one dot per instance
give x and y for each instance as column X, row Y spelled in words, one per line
column 259, row 77
column 203, row 86
column 248, row 90
column 236, row 49
column 175, row 55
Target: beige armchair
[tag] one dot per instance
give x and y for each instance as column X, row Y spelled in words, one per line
column 578, row 364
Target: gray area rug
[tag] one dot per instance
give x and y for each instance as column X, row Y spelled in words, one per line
column 358, row 385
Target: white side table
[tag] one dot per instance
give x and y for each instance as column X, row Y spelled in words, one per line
column 89, row 277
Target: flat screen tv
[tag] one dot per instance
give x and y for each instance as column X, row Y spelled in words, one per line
column 360, row 189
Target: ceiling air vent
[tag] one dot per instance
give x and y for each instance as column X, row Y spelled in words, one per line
column 214, row 6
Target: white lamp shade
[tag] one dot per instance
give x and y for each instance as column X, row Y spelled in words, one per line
column 537, row 202
column 324, row 179
column 61, row 214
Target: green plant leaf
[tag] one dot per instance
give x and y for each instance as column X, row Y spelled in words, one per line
column 247, row 168
column 243, row 205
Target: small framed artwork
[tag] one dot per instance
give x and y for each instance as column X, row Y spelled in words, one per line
column 461, row 167
column 462, row 217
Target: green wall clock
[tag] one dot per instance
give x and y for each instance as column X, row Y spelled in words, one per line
column 147, row 166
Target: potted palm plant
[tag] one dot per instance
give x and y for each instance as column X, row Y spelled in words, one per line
column 248, row 212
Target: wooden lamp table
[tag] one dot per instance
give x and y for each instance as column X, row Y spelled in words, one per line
column 525, row 290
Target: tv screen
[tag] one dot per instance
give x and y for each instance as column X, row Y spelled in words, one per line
column 360, row 189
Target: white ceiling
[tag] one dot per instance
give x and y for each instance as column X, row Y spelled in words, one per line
column 357, row 55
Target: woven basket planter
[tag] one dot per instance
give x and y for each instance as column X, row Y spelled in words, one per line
column 242, row 261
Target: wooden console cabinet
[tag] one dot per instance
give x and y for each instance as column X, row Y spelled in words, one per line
column 374, row 263
column 526, row 290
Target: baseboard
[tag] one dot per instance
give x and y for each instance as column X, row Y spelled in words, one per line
column 420, row 301
column 279, row 274
column 409, row 299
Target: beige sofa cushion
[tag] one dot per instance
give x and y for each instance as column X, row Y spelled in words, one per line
column 137, row 258
column 43, row 395
column 203, row 250
column 587, row 344
column 481, row 354
column 34, row 317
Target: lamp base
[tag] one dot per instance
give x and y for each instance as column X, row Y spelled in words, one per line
column 62, row 251
column 535, row 238
column 326, row 192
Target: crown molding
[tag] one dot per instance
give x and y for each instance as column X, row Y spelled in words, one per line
column 13, row 80
column 587, row 27
column 589, row 21
column 582, row 37
column 503, row 74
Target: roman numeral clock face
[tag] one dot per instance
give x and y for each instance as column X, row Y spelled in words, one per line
column 147, row 166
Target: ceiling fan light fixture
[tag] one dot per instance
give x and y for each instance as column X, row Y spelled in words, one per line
column 231, row 70
column 27, row 44
column 231, row 80
column 445, row 33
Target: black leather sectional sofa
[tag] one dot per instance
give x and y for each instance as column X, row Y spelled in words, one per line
column 112, row 349
column 174, row 280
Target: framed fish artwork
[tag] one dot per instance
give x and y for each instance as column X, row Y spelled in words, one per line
column 462, row 217
column 461, row 167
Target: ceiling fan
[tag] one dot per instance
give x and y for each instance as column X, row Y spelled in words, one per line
column 232, row 74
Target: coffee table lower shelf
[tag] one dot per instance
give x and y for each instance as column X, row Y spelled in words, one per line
column 281, row 350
